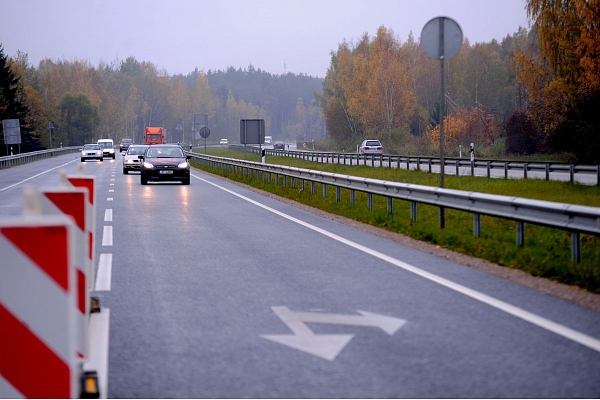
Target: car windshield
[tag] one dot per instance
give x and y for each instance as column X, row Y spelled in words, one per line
column 105, row 145
column 91, row 147
column 373, row 143
column 136, row 150
column 126, row 141
column 166, row 152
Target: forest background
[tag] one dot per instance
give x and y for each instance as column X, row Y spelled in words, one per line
column 536, row 91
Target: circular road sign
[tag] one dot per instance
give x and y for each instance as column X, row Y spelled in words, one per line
column 204, row 132
column 434, row 31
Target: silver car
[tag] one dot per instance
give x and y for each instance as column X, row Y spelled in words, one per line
column 371, row 146
column 91, row 152
column 131, row 161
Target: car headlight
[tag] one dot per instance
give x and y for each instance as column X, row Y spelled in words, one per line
column 129, row 161
column 147, row 165
column 183, row 165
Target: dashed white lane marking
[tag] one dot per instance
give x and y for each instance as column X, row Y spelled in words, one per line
column 104, row 272
column 107, row 236
column 108, row 215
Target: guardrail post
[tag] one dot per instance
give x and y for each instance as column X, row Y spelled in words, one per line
column 373, row 160
column 597, row 175
column 413, row 211
column 352, row 196
column 313, row 187
column 398, row 162
column 276, row 179
column 575, row 247
column 389, row 161
column 284, row 180
column 442, row 217
column 506, row 170
column 457, row 162
column 338, row 194
column 488, row 169
column 547, row 171
column 472, row 168
column 370, row 200
column 390, row 205
column 324, row 190
column 520, row 233
column 302, row 184
column 429, row 162
column 525, row 168
column 477, row 225
column 407, row 163
column 418, row 163
column 572, row 172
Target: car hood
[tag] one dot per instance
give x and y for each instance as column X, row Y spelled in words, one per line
column 166, row 161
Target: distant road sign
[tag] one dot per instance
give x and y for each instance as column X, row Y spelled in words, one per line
column 204, row 132
column 441, row 37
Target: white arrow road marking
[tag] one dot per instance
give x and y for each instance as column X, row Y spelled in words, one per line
column 326, row 346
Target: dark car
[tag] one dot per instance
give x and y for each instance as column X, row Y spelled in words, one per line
column 124, row 145
column 165, row 162
column 278, row 145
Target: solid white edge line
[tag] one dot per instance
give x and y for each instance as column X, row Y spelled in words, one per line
column 532, row 318
column 107, row 235
column 103, row 280
column 34, row 176
column 98, row 348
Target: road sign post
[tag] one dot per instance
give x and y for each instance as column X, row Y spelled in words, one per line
column 441, row 38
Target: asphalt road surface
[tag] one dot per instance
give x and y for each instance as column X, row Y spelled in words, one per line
column 216, row 291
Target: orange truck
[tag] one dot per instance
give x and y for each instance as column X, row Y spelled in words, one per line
column 154, row 135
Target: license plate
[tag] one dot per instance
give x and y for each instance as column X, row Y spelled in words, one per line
column 167, row 171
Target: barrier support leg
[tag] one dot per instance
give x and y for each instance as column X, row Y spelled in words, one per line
column 575, row 247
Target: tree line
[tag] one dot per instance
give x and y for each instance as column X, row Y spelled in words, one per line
column 119, row 99
column 535, row 91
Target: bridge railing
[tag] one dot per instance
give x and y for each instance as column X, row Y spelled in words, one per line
column 24, row 158
column 576, row 219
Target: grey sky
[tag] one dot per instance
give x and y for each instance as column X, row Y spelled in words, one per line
column 179, row 35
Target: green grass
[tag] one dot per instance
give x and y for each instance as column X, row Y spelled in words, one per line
column 547, row 252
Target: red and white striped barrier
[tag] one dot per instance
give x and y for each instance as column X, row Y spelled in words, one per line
column 88, row 182
column 73, row 202
column 37, row 313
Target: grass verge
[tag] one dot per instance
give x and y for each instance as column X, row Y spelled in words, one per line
column 547, row 252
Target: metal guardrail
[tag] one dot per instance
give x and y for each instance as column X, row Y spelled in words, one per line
column 426, row 163
column 24, row 158
column 573, row 218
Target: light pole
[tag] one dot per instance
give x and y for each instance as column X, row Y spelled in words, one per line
column 50, row 127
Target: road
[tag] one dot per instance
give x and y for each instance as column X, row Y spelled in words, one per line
column 217, row 291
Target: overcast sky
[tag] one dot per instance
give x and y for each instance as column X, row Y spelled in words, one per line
column 276, row 36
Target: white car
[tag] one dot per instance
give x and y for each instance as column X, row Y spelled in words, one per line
column 224, row 142
column 131, row 160
column 91, row 152
column 108, row 147
column 371, row 146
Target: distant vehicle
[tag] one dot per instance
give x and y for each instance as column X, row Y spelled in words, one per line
column 224, row 142
column 131, row 161
column 370, row 146
column 91, row 152
column 154, row 135
column 279, row 145
column 268, row 139
column 124, row 145
column 108, row 147
column 164, row 162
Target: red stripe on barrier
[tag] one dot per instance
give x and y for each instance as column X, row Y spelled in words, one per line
column 91, row 242
column 70, row 203
column 81, row 292
column 31, row 367
column 51, row 250
column 86, row 183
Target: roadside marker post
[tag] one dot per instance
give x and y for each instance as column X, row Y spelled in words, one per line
column 37, row 315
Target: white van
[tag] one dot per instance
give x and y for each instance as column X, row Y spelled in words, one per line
column 108, row 147
column 268, row 139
